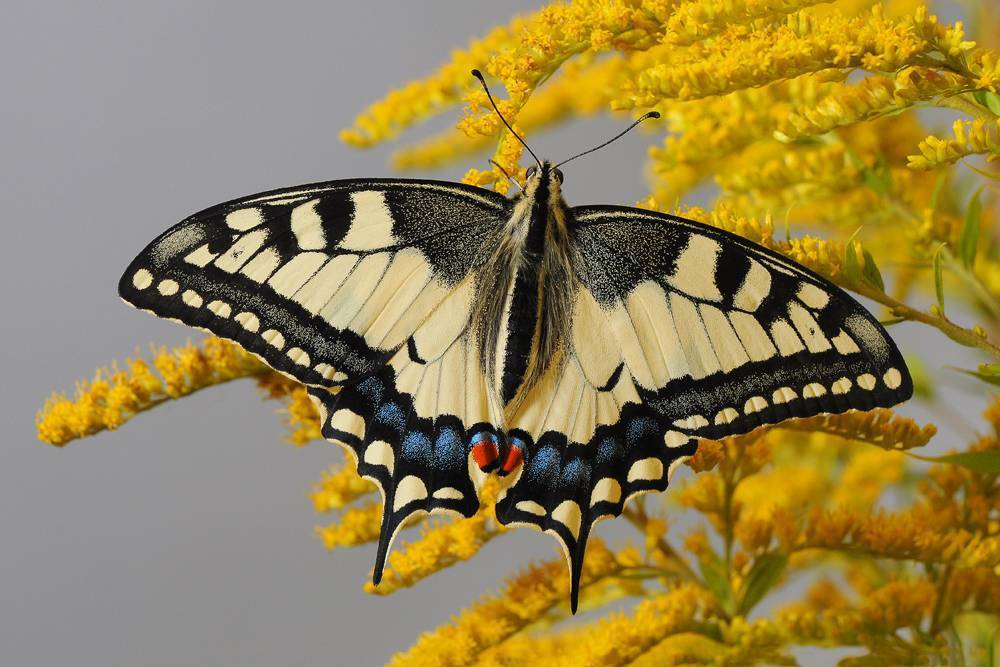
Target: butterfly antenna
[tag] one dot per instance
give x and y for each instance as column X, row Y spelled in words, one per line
column 647, row 116
column 479, row 75
column 504, row 172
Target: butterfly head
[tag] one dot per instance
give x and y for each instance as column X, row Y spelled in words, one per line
column 544, row 183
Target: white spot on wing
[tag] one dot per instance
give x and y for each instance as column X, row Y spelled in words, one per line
column 808, row 328
column 531, row 507
column 244, row 219
column 844, row 343
column 349, row 422
column 783, row 395
column 568, row 514
column 192, row 298
column 892, row 378
column 755, row 288
column 755, row 341
column 308, row 226
column 142, row 279
column 754, row 404
column 249, row 321
column 298, row 356
column 262, row 265
column 675, row 439
column 409, row 489
column 726, row 416
column 448, row 493
column 241, row 251
column 693, row 422
column 274, row 338
column 841, row 386
column 379, row 453
column 694, row 270
column 866, row 381
column 813, row 296
column 296, row 271
column 371, row 224
column 200, row 256
column 647, row 469
column 785, row 338
column 813, row 390
column 220, row 308
column 606, row 490
column 168, row 287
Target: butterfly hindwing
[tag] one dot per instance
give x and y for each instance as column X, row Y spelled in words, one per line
column 323, row 282
column 680, row 331
column 587, row 449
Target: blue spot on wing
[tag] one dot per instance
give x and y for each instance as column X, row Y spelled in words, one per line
column 448, row 450
column 392, row 415
column 416, row 447
column 638, row 429
column 544, row 466
column 608, row 451
column 575, row 475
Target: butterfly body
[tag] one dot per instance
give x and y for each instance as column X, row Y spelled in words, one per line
column 446, row 332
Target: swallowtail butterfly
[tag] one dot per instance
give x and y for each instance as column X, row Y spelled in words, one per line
column 446, row 332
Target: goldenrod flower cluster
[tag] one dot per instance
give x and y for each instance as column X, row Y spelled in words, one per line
column 806, row 120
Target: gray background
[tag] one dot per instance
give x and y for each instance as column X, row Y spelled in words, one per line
column 186, row 537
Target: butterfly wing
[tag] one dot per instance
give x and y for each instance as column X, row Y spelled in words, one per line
column 362, row 290
column 682, row 331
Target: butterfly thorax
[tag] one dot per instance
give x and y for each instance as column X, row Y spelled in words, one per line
column 524, row 293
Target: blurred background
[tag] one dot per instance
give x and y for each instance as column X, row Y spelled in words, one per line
column 186, row 538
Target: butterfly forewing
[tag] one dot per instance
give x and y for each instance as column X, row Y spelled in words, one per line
column 323, row 282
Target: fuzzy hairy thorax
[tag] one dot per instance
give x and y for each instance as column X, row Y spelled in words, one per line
column 524, row 294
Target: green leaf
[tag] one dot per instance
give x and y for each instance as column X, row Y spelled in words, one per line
column 987, row 463
column 713, row 571
column 938, row 186
column 989, row 373
column 852, row 268
column 988, row 99
column 762, row 577
column 870, row 271
column 939, row 277
column 970, row 230
column 994, row 649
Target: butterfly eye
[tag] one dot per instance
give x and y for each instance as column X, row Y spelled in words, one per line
column 530, row 171
column 558, row 175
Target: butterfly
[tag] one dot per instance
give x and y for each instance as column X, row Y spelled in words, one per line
column 446, row 332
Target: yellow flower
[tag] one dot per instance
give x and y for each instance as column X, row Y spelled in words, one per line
column 339, row 487
column 525, row 599
column 113, row 397
column 975, row 137
column 619, row 639
column 694, row 20
column 737, row 59
column 440, row 546
column 355, row 525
